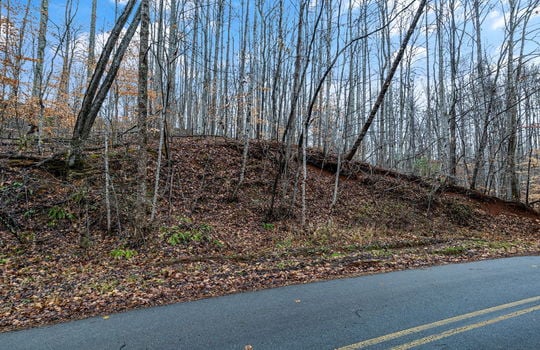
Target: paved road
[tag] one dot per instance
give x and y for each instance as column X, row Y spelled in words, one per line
column 482, row 305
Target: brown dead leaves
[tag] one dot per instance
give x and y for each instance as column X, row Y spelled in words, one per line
column 221, row 246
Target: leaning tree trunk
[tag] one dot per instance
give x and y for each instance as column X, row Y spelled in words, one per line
column 387, row 82
column 97, row 90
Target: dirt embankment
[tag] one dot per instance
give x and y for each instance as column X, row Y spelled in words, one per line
column 58, row 261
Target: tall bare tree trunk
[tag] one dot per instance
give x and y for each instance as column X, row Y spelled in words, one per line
column 288, row 132
column 107, row 177
column 91, row 42
column 452, row 113
column 481, row 75
column 173, row 54
column 141, row 205
column 442, row 120
column 37, row 86
column 510, row 175
column 63, row 85
column 214, row 111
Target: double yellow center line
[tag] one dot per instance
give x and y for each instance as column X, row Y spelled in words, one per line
column 450, row 320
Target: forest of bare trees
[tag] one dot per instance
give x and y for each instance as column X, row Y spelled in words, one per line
column 460, row 101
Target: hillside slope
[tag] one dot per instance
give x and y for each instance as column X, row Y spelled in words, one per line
column 58, row 261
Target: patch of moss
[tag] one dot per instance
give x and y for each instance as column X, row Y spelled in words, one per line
column 454, row 250
column 500, row 245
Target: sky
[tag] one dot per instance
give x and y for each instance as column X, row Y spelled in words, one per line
column 493, row 26
column 105, row 13
column 494, row 22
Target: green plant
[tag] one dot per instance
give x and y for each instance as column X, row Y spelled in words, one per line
column 59, row 213
column 29, row 213
column 218, row 243
column 123, row 253
column 284, row 244
column 205, row 228
column 79, row 196
column 268, row 226
column 186, row 232
column 381, row 253
column 185, row 237
column 500, row 245
column 17, row 184
column 482, row 243
column 351, row 247
column 454, row 250
column 13, row 186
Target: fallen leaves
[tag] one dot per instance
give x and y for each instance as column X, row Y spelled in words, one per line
column 51, row 279
column 63, row 293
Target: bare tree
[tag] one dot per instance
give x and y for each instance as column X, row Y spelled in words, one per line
column 141, row 205
column 97, row 89
column 92, row 42
column 510, row 174
column 37, row 87
column 387, row 82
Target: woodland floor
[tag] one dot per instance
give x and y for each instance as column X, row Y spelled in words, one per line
column 58, row 263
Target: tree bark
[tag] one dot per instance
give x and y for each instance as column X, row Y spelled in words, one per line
column 510, row 175
column 142, row 114
column 387, row 83
column 37, row 87
column 91, row 42
column 97, row 90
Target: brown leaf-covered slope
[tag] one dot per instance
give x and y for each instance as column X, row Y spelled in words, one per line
column 58, row 263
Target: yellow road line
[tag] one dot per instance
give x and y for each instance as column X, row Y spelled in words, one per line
column 424, row 327
column 455, row 331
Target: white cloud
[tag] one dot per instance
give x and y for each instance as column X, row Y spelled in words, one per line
column 497, row 19
column 535, row 61
column 406, row 10
column 412, row 53
column 355, row 4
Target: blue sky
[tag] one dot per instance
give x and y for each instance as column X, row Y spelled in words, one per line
column 105, row 13
column 493, row 28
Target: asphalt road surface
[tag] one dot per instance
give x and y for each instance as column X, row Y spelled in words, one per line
column 482, row 305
